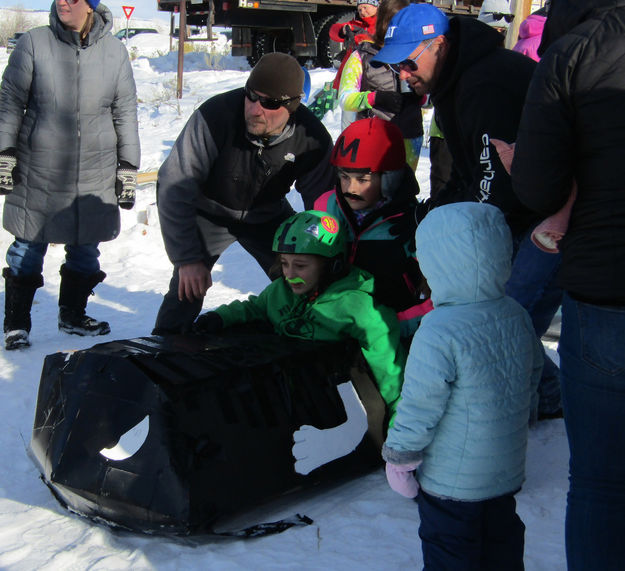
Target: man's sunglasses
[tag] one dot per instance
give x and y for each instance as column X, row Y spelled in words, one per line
column 507, row 17
column 409, row 64
column 70, row 2
column 267, row 102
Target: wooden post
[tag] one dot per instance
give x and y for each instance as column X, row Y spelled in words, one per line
column 171, row 30
column 209, row 20
column 182, row 28
column 522, row 10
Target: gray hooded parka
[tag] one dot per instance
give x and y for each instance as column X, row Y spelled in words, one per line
column 70, row 111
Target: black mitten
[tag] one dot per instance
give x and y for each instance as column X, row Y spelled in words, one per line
column 7, row 165
column 125, row 186
column 403, row 228
column 390, row 101
column 210, row 322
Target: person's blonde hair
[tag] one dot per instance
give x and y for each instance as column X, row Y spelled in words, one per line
column 86, row 28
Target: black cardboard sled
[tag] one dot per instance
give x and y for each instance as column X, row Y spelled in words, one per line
column 218, row 416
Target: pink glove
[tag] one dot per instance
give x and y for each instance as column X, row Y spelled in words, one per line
column 548, row 233
column 401, row 478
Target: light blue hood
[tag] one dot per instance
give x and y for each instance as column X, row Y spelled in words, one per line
column 464, row 251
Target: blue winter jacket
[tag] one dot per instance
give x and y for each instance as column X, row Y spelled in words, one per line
column 474, row 362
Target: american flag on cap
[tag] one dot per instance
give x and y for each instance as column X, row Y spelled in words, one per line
column 429, row 29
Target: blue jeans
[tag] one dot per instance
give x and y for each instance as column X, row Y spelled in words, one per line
column 25, row 258
column 470, row 536
column 532, row 284
column 592, row 369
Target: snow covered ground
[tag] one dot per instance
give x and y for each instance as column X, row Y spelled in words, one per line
column 361, row 524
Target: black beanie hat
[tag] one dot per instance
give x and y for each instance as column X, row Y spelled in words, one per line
column 278, row 76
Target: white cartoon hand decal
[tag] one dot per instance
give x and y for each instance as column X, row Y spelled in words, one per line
column 314, row 447
column 129, row 442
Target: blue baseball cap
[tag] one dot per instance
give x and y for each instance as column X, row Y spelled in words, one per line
column 408, row 28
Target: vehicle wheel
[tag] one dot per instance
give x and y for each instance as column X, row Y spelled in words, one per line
column 268, row 42
column 327, row 49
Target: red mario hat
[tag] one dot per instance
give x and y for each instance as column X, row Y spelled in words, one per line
column 370, row 144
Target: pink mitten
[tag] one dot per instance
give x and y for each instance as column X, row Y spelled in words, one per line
column 549, row 232
column 401, row 478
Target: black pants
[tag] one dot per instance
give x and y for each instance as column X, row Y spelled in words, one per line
column 175, row 316
column 471, row 536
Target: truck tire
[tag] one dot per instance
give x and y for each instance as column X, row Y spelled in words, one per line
column 273, row 41
column 262, row 44
column 327, row 49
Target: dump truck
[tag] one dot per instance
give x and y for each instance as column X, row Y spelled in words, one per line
column 298, row 27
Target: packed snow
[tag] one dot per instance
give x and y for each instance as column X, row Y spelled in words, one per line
column 360, row 524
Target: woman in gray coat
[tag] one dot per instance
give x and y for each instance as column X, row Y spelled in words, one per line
column 69, row 152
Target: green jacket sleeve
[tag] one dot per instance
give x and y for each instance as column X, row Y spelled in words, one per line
column 252, row 309
column 376, row 329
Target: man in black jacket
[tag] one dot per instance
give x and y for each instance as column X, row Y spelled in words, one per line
column 227, row 176
column 573, row 128
column 478, row 90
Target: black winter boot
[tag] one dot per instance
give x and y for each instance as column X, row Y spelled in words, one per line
column 74, row 292
column 18, row 299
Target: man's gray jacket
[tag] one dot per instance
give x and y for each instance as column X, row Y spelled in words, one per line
column 218, row 171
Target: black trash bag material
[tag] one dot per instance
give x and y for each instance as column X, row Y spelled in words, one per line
column 171, row 434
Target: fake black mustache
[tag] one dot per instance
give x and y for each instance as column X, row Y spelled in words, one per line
column 353, row 196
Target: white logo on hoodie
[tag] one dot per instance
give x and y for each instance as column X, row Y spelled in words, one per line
column 488, row 172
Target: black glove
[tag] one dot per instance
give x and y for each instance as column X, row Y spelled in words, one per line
column 125, row 186
column 403, row 228
column 210, row 322
column 390, row 101
column 7, row 165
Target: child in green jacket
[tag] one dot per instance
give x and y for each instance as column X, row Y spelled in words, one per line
column 319, row 297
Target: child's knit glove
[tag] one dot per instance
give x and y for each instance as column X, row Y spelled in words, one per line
column 7, row 164
column 401, row 478
column 125, row 186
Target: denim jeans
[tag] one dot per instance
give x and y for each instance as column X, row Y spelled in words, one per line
column 470, row 536
column 532, row 284
column 25, row 258
column 592, row 369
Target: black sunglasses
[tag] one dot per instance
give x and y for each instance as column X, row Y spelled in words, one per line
column 267, row 102
column 507, row 17
column 409, row 64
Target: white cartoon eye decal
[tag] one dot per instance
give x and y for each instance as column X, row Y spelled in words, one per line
column 129, row 442
column 314, row 447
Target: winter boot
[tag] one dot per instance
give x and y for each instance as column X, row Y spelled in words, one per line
column 74, row 292
column 18, row 299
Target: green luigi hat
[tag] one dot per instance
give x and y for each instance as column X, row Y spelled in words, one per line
column 310, row 232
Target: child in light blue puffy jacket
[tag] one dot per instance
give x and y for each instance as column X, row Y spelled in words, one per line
column 459, row 437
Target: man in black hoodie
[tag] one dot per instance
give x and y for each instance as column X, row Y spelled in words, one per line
column 478, row 90
column 573, row 128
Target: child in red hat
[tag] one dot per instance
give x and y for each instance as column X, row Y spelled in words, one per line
column 375, row 199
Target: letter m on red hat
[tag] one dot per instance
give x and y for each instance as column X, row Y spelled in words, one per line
column 342, row 150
